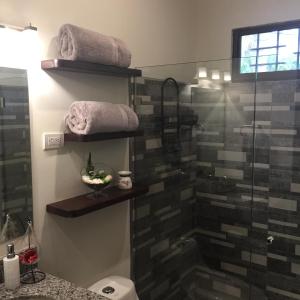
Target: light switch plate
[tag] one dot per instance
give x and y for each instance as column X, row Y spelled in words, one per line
column 53, row 140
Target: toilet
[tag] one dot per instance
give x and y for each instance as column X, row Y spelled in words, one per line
column 115, row 288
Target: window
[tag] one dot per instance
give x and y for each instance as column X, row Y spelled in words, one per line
column 267, row 52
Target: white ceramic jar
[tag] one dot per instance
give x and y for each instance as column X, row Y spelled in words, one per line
column 124, row 182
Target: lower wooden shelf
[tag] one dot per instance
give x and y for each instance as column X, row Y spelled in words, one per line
column 84, row 204
column 101, row 136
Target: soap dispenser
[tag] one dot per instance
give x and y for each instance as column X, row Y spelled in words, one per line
column 11, row 268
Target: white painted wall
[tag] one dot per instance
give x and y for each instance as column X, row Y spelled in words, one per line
column 85, row 249
column 217, row 18
column 157, row 31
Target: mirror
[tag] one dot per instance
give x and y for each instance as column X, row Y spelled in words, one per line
column 15, row 155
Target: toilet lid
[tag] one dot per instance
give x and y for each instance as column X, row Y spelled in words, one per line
column 115, row 288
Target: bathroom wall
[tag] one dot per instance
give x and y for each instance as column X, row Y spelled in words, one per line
column 157, row 32
column 84, row 249
column 217, row 18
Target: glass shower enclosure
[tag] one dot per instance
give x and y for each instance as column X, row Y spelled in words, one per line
column 221, row 158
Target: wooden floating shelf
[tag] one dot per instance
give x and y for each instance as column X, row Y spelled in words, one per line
column 88, row 67
column 72, row 137
column 84, row 204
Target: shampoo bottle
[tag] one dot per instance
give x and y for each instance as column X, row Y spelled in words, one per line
column 11, row 268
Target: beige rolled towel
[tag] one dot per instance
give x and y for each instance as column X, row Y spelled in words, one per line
column 88, row 117
column 76, row 43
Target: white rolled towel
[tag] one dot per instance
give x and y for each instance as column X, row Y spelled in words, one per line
column 76, row 43
column 88, row 117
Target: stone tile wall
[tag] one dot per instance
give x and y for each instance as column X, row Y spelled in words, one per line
column 204, row 235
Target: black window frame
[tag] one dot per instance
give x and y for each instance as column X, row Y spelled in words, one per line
column 237, row 34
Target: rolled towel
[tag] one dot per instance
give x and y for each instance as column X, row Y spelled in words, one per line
column 88, row 117
column 76, row 43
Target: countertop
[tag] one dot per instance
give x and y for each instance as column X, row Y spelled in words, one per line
column 51, row 286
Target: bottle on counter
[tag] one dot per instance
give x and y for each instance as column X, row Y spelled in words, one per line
column 11, row 268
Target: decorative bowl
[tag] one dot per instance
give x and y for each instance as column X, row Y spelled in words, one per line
column 97, row 177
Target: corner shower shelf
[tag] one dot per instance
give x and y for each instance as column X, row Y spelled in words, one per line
column 84, row 204
column 87, row 67
column 101, row 136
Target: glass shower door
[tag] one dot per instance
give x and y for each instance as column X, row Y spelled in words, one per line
column 278, row 112
column 164, row 249
column 197, row 233
column 224, row 191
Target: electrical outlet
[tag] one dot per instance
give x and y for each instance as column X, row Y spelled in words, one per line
column 53, row 140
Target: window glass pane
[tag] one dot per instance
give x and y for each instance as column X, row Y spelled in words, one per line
column 266, row 68
column 289, row 39
column 248, row 65
column 249, row 42
column 267, row 59
column 267, row 52
column 268, row 39
column 287, row 60
column 286, row 54
column 267, row 56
